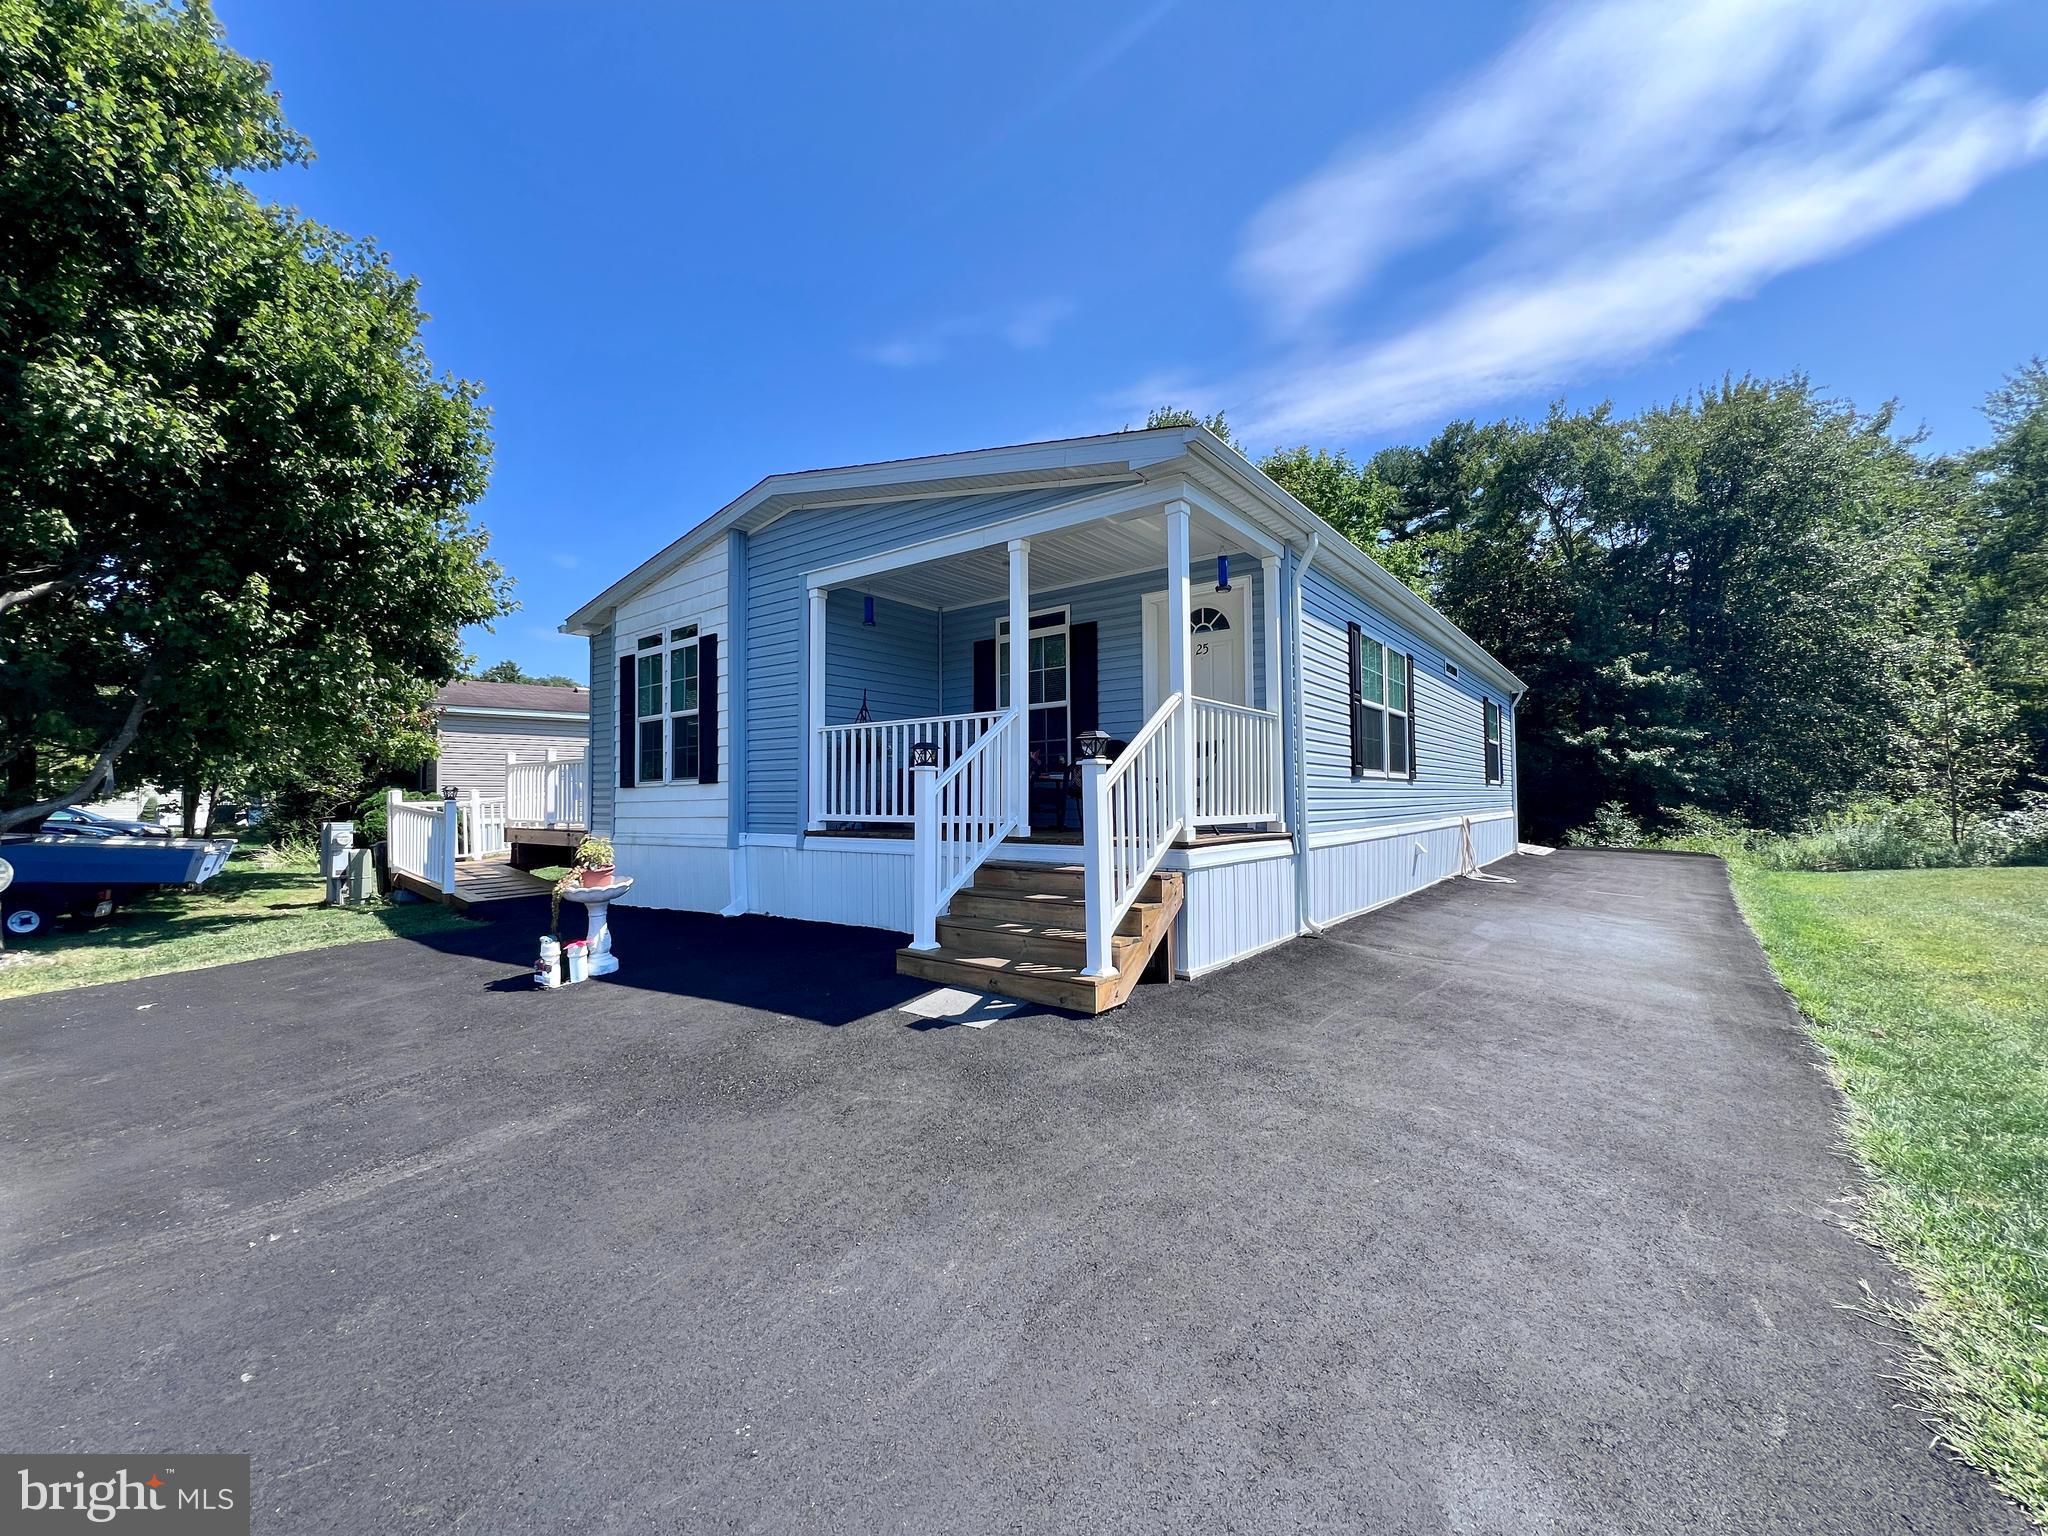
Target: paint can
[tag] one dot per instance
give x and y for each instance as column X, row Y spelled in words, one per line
column 547, row 970
column 577, row 957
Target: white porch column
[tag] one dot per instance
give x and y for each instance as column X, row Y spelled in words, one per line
column 1180, row 676
column 1020, row 679
column 815, row 714
column 1269, row 590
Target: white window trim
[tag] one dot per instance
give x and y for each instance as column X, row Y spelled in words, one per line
column 1065, row 627
column 1489, row 711
column 1388, row 713
column 658, row 654
column 672, row 649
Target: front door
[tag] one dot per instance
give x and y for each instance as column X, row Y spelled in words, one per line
column 1218, row 647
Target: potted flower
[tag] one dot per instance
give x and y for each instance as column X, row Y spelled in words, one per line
column 594, row 865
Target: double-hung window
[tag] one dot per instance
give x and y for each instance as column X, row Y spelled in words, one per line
column 647, row 708
column 1493, row 764
column 1050, row 701
column 1380, row 684
column 682, row 703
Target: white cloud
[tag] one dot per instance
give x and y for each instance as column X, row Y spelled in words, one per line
column 1023, row 328
column 1619, row 172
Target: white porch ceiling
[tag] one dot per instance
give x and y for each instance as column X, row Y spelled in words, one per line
column 1070, row 557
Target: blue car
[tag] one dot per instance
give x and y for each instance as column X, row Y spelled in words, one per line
column 84, row 823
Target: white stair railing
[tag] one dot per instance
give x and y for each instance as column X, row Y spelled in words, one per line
column 866, row 773
column 962, row 812
column 554, row 792
column 420, row 838
column 1127, row 824
column 1236, row 755
column 480, row 833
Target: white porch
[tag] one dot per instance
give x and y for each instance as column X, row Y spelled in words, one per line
column 1177, row 734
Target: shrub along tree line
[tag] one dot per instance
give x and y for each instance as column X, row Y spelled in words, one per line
column 234, row 550
column 1757, row 608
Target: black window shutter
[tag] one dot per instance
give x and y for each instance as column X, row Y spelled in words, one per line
column 1411, row 716
column 984, row 675
column 628, row 705
column 707, row 709
column 1355, row 679
column 1083, row 682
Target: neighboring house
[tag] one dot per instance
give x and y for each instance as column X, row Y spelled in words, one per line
column 1297, row 737
column 513, row 755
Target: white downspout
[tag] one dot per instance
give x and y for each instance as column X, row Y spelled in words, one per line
column 1297, row 691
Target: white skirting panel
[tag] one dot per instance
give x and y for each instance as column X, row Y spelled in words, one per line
column 1347, row 878
column 828, row 885
column 1233, row 910
column 677, row 879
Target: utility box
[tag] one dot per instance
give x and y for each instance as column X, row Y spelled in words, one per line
column 362, row 875
column 337, row 842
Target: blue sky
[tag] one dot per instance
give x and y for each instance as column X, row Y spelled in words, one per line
column 686, row 246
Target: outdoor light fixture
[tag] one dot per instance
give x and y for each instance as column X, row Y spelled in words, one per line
column 1223, row 573
column 867, row 609
column 1092, row 743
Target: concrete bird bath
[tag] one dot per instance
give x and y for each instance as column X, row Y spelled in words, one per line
column 594, row 899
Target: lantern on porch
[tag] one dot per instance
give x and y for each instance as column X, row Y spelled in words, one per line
column 1092, row 744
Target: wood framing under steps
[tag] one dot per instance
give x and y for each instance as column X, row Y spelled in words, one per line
column 1020, row 930
column 483, row 880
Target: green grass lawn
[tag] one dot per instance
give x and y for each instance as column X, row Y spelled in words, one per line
column 262, row 904
column 1928, row 989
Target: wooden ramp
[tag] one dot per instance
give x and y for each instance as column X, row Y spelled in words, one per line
column 477, row 880
column 1020, row 930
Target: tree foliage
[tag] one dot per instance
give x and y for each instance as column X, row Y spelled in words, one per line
column 512, row 672
column 233, row 537
column 1752, row 605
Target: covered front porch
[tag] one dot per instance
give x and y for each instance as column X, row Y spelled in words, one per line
column 924, row 650
column 1104, row 676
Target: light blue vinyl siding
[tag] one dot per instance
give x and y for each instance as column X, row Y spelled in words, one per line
column 604, row 731
column 1117, row 609
column 895, row 663
column 778, row 556
column 1450, row 751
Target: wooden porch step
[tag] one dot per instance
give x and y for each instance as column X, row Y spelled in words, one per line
column 983, row 937
column 1036, row 907
column 1008, row 935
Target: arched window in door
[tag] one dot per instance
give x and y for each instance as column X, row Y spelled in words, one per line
column 1208, row 621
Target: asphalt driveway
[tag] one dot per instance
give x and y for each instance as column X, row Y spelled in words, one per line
column 1509, row 1208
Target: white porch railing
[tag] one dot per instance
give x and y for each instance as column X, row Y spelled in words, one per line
column 480, row 829
column 963, row 811
column 866, row 770
column 1237, row 764
column 550, row 792
column 1128, row 821
column 419, row 838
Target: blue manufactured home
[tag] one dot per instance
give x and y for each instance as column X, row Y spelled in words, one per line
column 1234, row 726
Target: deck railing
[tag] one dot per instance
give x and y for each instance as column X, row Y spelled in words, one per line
column 550, row 792
column 1237, row 764
column 864, row 772
column 480, row 829
column 420, row 839
column 962, row 812
column 1128, row 821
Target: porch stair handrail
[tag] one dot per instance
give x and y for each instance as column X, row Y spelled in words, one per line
column 963, row 811
column 1237, row 755
column 1128, row 821
column 420, row 839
